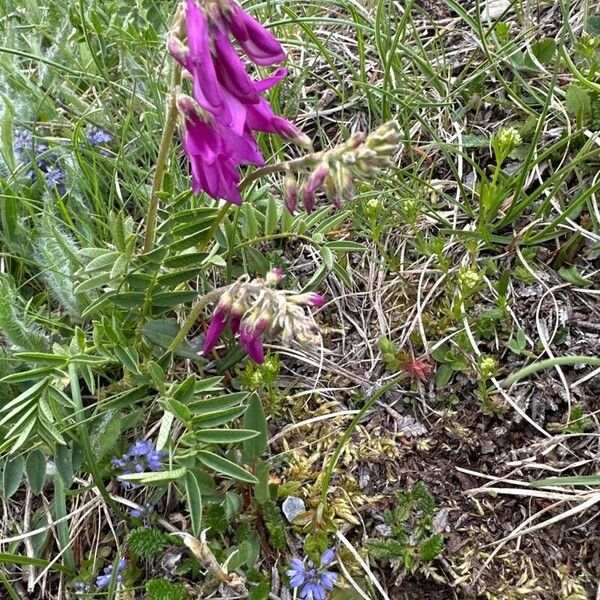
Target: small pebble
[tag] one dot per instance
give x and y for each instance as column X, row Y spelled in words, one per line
column 292, row 507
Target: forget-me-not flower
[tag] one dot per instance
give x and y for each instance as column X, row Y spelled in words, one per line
column 313, row 582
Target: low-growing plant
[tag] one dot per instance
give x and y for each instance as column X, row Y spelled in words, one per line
column 413, row 538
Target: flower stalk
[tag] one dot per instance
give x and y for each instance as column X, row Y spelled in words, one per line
column 194, row 316
column 162, row 159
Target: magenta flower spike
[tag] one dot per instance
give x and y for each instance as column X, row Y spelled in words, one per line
column 219, row 138
column 255, row 309
column 259, row 44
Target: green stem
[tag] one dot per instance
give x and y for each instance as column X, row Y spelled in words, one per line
column 210, row 234
column 593, row 361
column 193, row 316
column 84, row 436
column 348, row 433
column 162, row 159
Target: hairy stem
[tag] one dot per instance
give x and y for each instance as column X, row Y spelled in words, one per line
column 193, row 316
column 162, row 159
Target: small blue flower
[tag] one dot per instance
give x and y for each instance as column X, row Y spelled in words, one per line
column 81, row 588
column 140, row 458
column 54, row 176
column 23, row 143
column 141, row 448
column 154, row 460
column 104, row 579
column 143, row 512
column 297, row 573
column 96, row 136
column 313, row 582
column 327, row 557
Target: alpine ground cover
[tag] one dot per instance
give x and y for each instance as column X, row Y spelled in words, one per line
column 299, row 299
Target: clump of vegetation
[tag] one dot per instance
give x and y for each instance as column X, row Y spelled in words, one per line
column 412, row 538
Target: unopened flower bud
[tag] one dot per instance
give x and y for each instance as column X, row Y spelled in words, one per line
column 189, row 108
column 290, row 193
column 385, row 135
column 307, row 299
column 274, row 276
column 218, row 322
column 317, row 177
column 344, row 182
column 176, row 48
column 291, row 132
column 313, row 184
column 374, row 205
column 508, row 139
column 488, row 367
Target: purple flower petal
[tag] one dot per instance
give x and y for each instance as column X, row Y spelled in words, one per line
column 258, row 43
column 215, row 329
column 232, row 72
column 329, row 555
column 328, row 580
column 207, row 90
column 266, row 84
column 251, row 342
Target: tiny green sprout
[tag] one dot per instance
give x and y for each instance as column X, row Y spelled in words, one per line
column 468, row 280
column 373, row 207
column 488, row 367
column 412, row 209
column 504, row 142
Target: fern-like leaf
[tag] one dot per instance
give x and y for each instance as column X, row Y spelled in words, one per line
column 146, row 542
column 161, row 589
column 386, row 549
column 15, row 324
column 431, row 547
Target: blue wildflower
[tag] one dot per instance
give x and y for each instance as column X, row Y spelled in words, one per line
column 54, row 176
column 107, row 574
column 96, row 136
column 141, row 448
column 81, row 588
column 313, row 582
column 154, row 460
column 23, row 143
column 140, row 457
